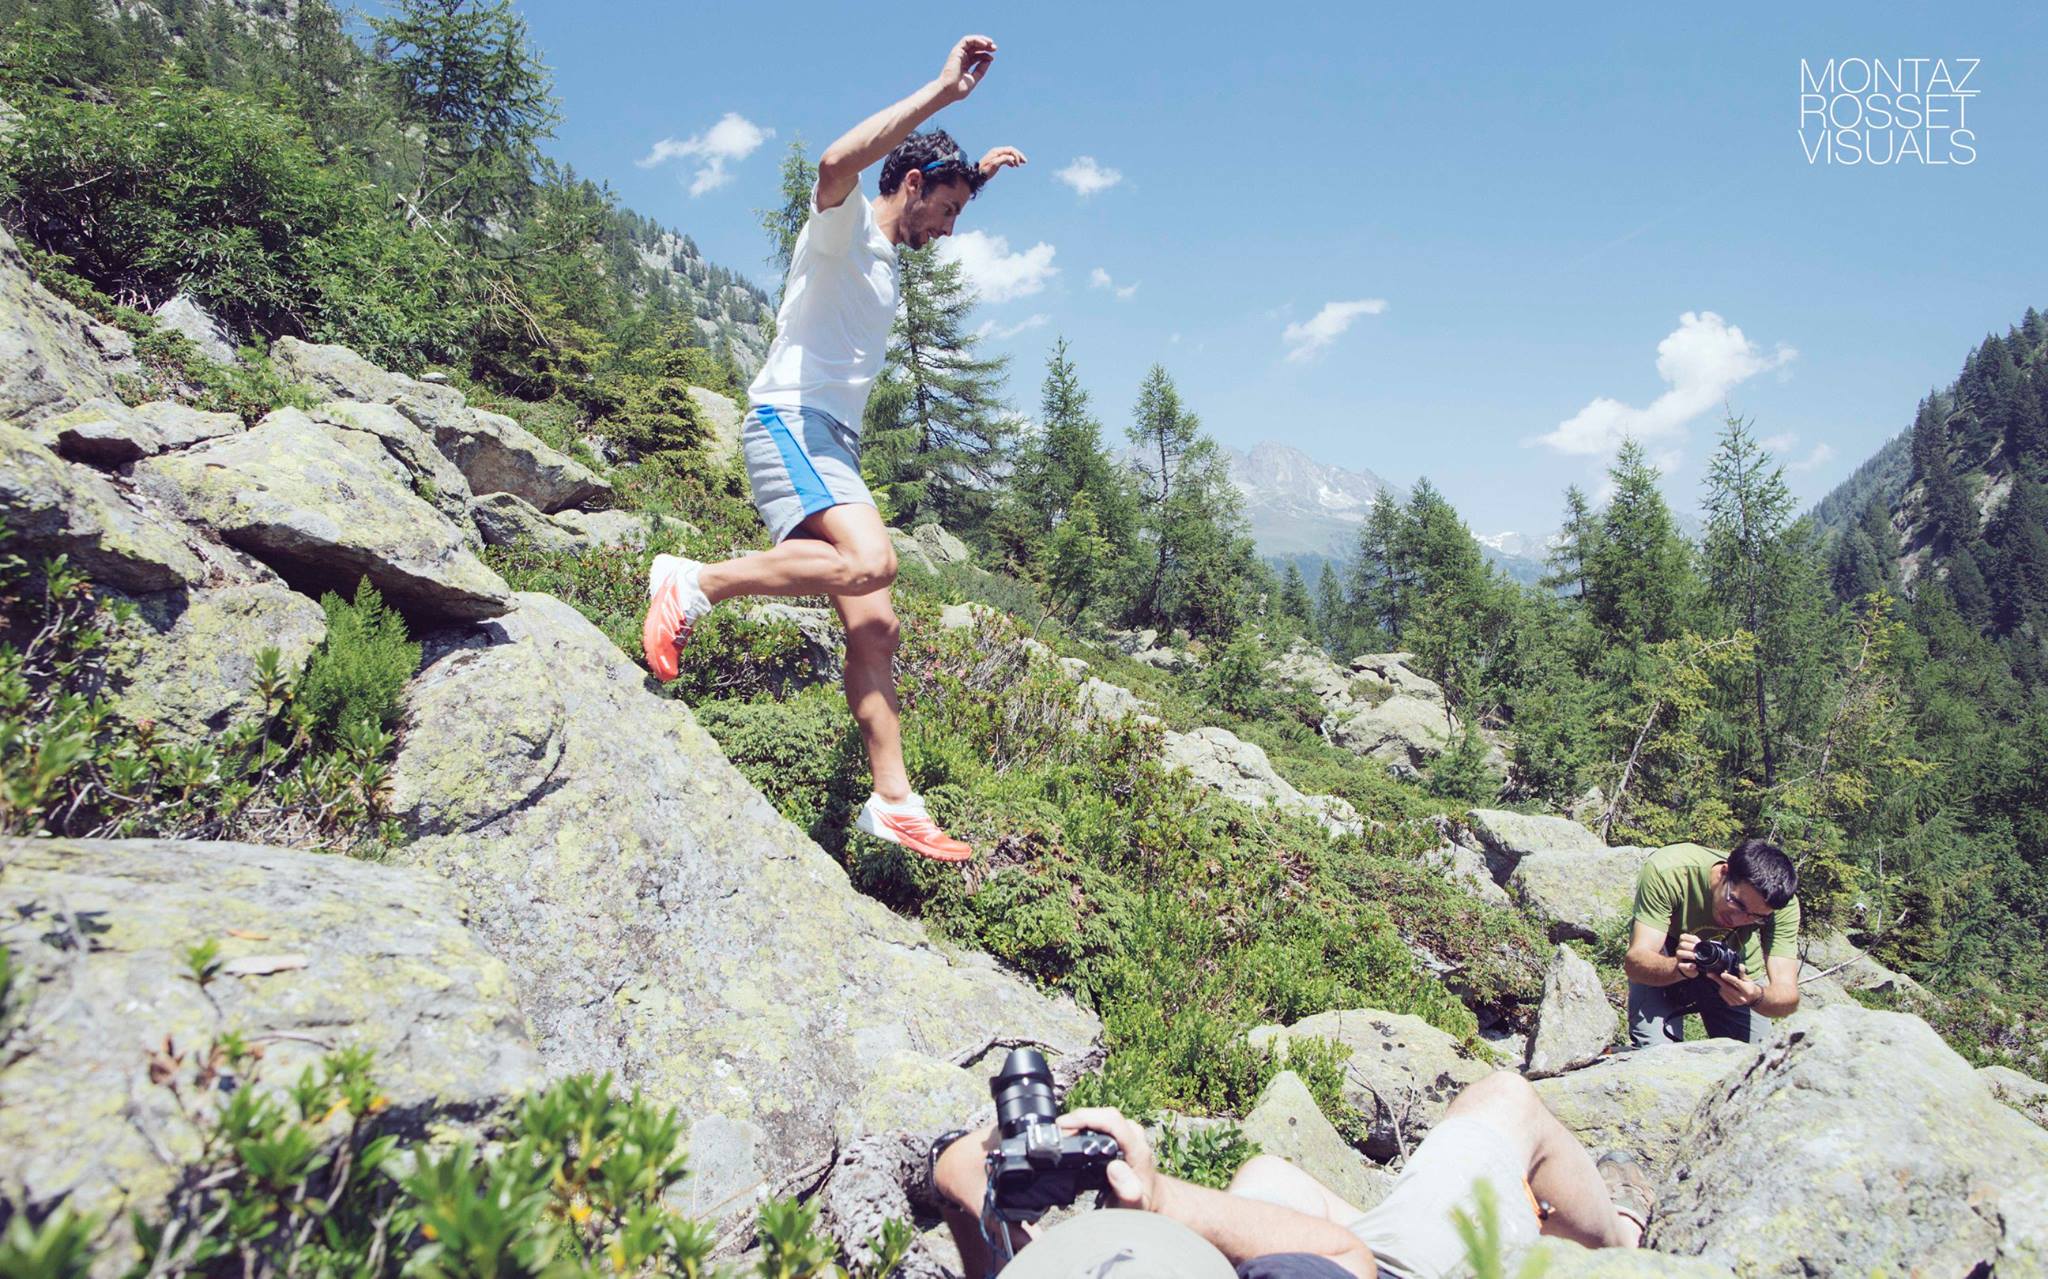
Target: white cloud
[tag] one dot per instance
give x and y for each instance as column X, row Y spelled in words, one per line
column 1087, row 177
column 992, row 271
column 1779, row 445
column 731, row 140
column 1306, row 341
column 1099, row 279
column 1701, row 360
column 1822, row 454
column 989, row 328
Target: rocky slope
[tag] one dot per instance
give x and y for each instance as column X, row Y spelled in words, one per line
column 587, row 884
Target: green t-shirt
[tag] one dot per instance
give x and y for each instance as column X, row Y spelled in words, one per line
column 1676, row 885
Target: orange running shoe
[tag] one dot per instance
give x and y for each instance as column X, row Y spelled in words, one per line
column 674, row 603
column 910, row 825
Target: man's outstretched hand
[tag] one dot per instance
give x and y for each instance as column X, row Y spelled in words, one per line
column 999, row 159
column 965, row 66
column 1134, row 1180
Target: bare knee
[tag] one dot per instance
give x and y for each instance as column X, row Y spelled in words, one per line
column 1260, row 1172
column 869, row 567
column 876, row 634
column 1504, row 1098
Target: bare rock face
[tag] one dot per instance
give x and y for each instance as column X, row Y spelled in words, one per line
column 1380, row 708
column 1224, row 762
column 505, row 519
column 1285, row 1121
column 1575, row 1023
column 107, row 433
column 189, row 663
column 184, row 314
column 53, row 356
column 494, row 453
column 1577, row 894
column 1641, row 1101
column 1401, row 1074
column 319, row 953
column 324, row 505
column 664, row 923
column 1856, row 1142
column 117, row 538
column 721, row 419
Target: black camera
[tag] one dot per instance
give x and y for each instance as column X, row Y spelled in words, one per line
column 1035, row 1167
column 1715, row 957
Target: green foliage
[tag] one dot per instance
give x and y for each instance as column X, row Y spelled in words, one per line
column 1236, row 680
column 1207, row 1156
column 58, row 1247
column 70, row 766
column 804, row 754
column 360, row 670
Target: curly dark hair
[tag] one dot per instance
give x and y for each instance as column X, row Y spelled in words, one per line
column 937, row 156
column 1763, row 866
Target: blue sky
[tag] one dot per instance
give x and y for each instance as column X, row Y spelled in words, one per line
column 1511, row 208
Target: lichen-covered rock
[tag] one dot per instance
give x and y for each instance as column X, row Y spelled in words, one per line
column 595, row 529
column 432, row 476
column 1847, row 963
column 1857, row 1143
column 663, row 921
column 493, row 452
column 1575, row 894
column 1641, row 1101
column 506, row 519
column 1102, row 703
column 909, row 553
column 51, row 507
column 1404, row 733
column 324, row 505
column 1401, row 1072
column 1507, row 837
column 1574, row 1023
column 1468, row 869
column 1567, row 1260
column 53, row 356
column 939, row 545
column 101, row 928
column 1285, row 1121
column 189, row 662
column 911, row 1092
column 824, row 639
column 184, row 314
column 1224, row 762
column 721, row 419
column 1380, row 707
column 104, row 432
column 2023, row 1093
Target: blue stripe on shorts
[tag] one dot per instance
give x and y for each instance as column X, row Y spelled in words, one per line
column 799, row 461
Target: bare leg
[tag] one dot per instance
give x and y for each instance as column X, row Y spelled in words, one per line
column 1274, row 1180
column 842, row 550
column 871, row 637
column 1561, row 1172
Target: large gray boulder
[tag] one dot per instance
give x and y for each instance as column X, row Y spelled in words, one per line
column 188, row 664
column 433, row 478
column 2023, row 1093
column 663, row 922
column 324, row 505
column 337, row 954
column 1400, row 1072
column 107, row 432
column 823, row 637
column 1102, row 703
column 1507, row 837
column 1467, row 868
column 1576, row 894
column 939, row 546
column 1224, row 762
column 118, row 538
column 53, row 356
column 494, row 453
column 1856, row 1143
column 1847, row 963
column 1575, row 1023
column 1641, row 1101
column 1380, row 707
column 185, row 315
column 1285, row 1121
column 505, row 519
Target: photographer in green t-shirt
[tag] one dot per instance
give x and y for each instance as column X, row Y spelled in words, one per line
column 1687, row 895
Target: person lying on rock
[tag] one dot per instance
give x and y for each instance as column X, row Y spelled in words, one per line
column 1687, row 895
column 1277, row 1222
column 801, row 437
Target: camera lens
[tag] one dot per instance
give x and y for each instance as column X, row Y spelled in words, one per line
column 1023, row 1088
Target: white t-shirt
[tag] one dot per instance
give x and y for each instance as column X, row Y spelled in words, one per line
column 833, row 329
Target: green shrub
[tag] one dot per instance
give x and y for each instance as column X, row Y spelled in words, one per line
column 803, row 754
column 360, row 671
column 1207, row 1156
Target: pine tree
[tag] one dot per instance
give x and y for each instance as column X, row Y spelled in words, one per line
column 466, row 70
column 1577, row 538
column 1636, row 575
column 785, row 222
column 1163, row 432
column 1747, row 507
column 1382, row 575
column 935, row 433
column 1294, row 598
column 2019, row 539
column 1333, row 612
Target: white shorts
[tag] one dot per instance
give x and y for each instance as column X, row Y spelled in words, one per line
column 1412, row 1233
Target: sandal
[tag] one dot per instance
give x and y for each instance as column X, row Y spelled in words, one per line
column 1628, row 1185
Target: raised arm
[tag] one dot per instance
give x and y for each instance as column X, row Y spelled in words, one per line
column 839, row 169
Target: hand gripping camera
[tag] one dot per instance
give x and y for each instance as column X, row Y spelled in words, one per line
column 1035, row 1167
column 1712, row 957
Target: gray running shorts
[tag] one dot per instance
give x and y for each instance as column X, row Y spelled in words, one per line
column 799, row 461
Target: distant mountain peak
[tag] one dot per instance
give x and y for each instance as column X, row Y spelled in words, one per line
column 1298, row 505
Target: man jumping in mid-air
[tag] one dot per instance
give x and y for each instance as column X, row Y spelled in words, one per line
column 801, row 437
